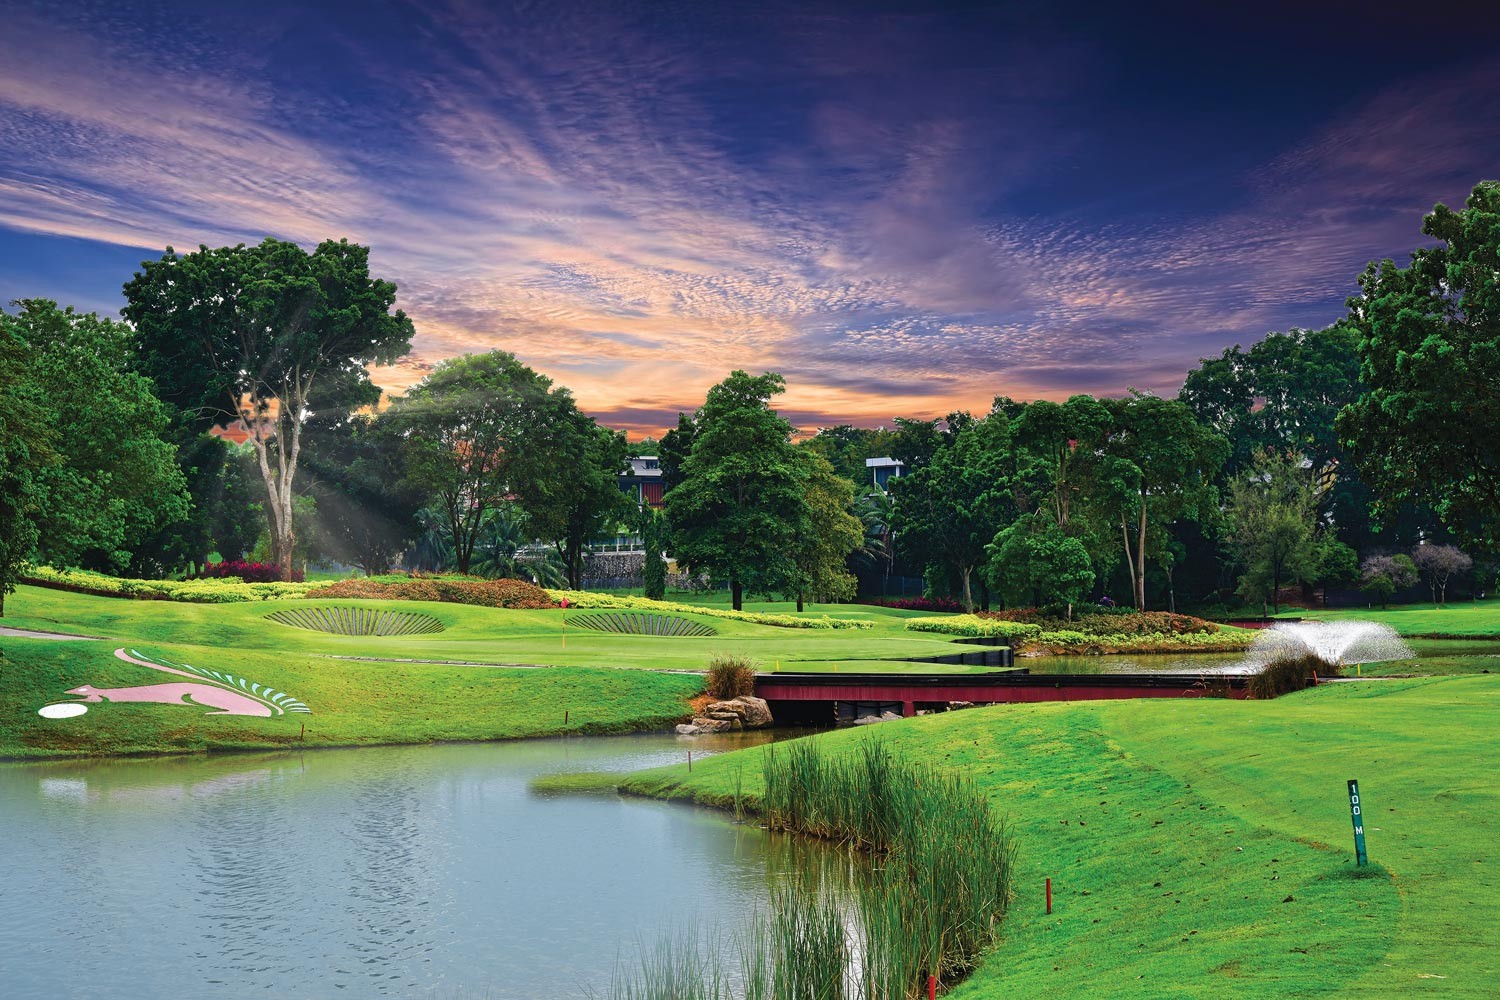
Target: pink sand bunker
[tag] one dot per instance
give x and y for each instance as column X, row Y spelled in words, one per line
column 226, row 701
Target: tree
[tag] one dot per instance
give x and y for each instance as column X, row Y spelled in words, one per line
column 1439, row 563
column 25, row 451
column 222, row 482
column 268, row 333
column 676, row 445
column 475, row 431
column 1034, row 561
column 1383, row 575
column 1156, row 464
column 116, row 482
column 365, row 515
column 573, row 495
column 827, row 534
column 951, row 507
column 1429, row 350
column 739, row 503
column 653, row 528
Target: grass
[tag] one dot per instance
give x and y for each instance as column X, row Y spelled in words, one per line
column 1204, row 848
column 1470, row 619
column 353, row 703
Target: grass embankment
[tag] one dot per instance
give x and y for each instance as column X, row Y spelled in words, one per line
column 478, row 634
column 1203, row 848
column 353, row 703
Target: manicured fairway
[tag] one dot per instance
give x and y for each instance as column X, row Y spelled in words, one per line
column 1461, row 618
column 1204, row 848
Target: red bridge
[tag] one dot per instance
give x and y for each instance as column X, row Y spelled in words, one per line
column 825, row 698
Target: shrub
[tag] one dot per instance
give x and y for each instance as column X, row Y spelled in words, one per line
column 730, row 675
column 223, row 591
column 973, row 626
column 936, row 604
column 592, row 601
column 513, row 594
column 1286, row 673
column 249, row 572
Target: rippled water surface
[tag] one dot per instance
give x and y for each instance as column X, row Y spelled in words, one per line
column 409, row 871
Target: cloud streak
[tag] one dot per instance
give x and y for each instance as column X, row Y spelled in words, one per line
column 637, row 199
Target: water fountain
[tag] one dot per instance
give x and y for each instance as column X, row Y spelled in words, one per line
column 1335, row 643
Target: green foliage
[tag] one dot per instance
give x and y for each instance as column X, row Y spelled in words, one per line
column 1033, row 561
column 474, row 429
column 114, row 482
column 589, row 599
column 228, row 590
column 1157, row 465
column 1274, row 526
column 845, row 448
column 1429, row 352
column 654, row 539
column 575, row 493
column 730, row 676
column 25, row 451
column 974, row 627
column 270, row 332
column 736, row 511
column 947, row 510
column 825, row 536
column 364, row 515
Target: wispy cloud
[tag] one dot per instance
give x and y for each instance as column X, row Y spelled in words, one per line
column 636, row 210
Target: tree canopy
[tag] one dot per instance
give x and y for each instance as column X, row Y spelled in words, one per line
column 1429, row 350
column 736, row 510
column 269, row 333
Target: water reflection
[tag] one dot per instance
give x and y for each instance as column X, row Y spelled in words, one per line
column 415, row 871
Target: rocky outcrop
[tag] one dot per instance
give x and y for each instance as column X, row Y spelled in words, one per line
column 744, row 712
column 869, row 720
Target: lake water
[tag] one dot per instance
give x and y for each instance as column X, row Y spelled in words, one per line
column 403, row 871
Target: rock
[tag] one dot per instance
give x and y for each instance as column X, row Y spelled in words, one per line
column 752, row 712
column 757, row 713
column 687, row 729
column 713, row 725
column 867, row 720
column 889, row 717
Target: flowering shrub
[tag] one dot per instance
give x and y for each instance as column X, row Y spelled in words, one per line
column 223, row 591
column 250, row 572
column 1076, row 640
column 941, row 604
column 514, row 594
column 1115, row 622
column 587, row 599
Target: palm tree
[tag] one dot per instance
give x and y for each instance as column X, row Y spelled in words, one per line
column 875, row 510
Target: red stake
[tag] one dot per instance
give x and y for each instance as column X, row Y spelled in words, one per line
column 1049, row 895
column 932, row 988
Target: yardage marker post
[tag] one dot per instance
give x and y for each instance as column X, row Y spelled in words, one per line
column 1357, row 813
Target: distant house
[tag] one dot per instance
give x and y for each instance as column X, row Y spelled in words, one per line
column 882, row 470
column 643, row 481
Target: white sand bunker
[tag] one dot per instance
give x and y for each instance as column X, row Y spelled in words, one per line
column 62, row 710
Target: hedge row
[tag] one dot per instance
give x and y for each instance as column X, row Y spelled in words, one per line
column 587, row 600
column 223, row 591
column 973, row 626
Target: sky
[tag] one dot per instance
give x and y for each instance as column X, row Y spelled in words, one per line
column 904, row 208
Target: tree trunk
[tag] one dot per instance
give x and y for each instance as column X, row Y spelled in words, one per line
column 966, row 572
column 736, row 594
column 1140, row 560
column 1129, row 559
column 799, row 601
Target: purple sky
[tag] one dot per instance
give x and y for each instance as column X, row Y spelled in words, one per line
column 904, row 208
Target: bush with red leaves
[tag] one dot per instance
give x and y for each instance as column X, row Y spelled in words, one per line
column 916, row 603
column 514, row 594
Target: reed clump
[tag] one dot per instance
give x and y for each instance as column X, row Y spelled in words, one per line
column 1288, row 672
column 930, row 880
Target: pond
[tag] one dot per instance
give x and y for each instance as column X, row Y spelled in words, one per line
column 1216, row 663
column 401, row 871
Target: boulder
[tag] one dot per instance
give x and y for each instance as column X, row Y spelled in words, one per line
column 752, row 712
column 687, row 729
column 713, row 725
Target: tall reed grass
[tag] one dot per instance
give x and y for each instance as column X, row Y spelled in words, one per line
column 927, row 898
